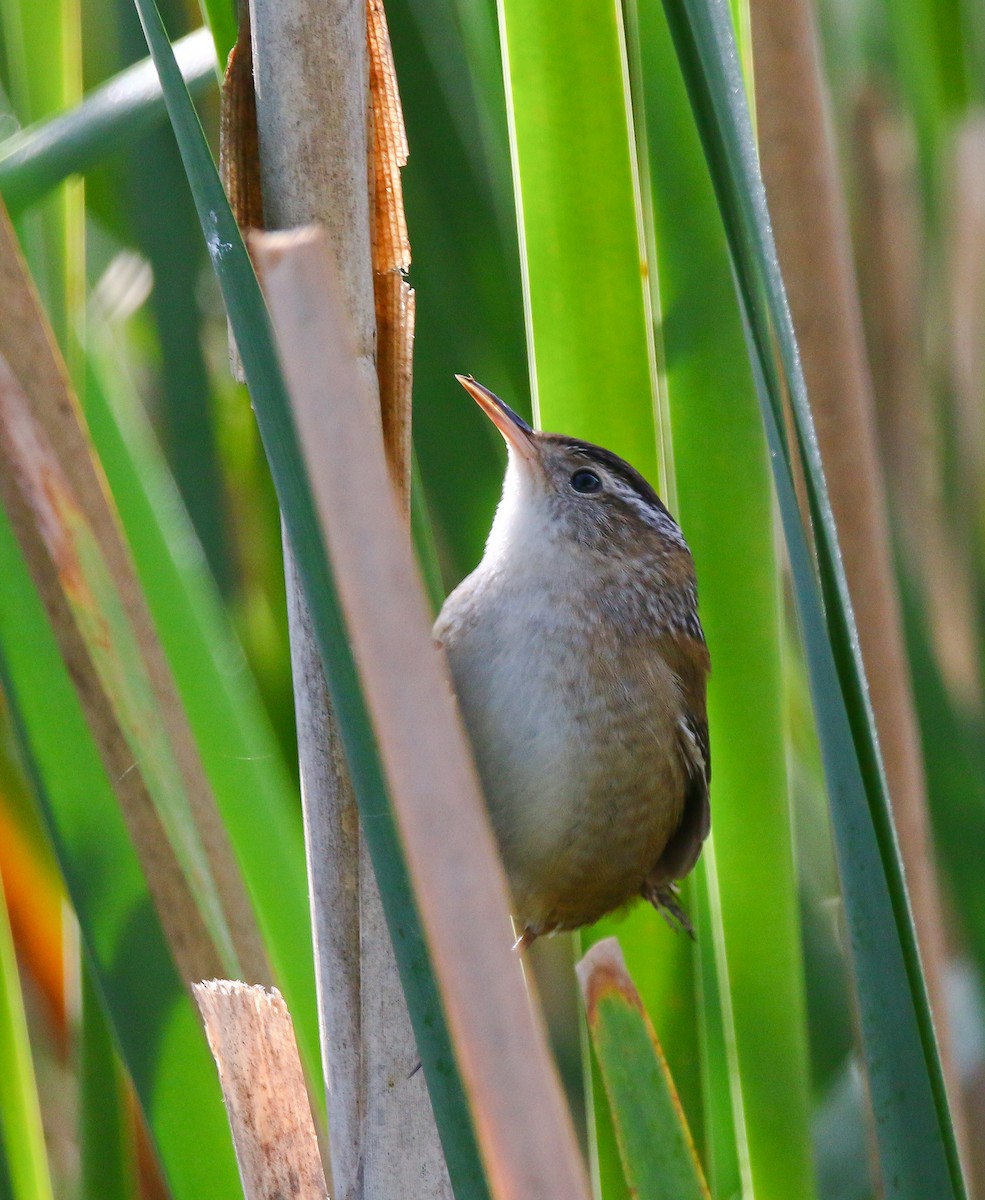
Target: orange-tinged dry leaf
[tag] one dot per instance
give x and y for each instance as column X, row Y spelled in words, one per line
column 391, row 252
column 35, row 905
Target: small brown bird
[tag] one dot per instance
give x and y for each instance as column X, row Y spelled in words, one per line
column 580, row 667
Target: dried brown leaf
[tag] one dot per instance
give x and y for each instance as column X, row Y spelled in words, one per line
column 391, row 252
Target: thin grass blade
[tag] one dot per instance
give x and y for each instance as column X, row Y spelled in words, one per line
column 725, row 1148
column 22, row 1147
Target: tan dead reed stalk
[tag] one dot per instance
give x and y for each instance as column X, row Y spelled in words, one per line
column 892, row 274
column 331, row 143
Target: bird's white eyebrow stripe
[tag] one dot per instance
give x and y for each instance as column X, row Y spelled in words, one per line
column 659, row 518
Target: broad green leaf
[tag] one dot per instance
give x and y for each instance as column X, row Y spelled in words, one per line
column 913, row 1129
column 590, row 340
column 423, row 534
column 589, row 333
column 220, row 16
column 251, row 326
column 657, row 1151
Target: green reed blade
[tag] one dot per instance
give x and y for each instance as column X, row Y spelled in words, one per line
column 40, row 156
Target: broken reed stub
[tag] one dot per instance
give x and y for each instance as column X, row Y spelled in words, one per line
column 252, row 1040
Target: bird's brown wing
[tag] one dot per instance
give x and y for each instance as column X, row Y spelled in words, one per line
column 690, row 665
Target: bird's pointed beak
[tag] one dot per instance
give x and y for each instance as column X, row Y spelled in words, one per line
column 518, row 434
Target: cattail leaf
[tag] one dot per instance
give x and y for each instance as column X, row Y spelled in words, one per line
column 758, row 1018
column 657, row 1150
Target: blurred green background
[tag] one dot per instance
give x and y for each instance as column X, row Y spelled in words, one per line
column 122, row 270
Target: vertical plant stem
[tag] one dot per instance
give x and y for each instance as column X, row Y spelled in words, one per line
column 311, row 70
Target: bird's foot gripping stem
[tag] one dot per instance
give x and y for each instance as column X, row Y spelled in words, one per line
column 663, row 897
column 527, row 938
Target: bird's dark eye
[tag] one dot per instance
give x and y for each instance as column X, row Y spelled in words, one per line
column 586, row 482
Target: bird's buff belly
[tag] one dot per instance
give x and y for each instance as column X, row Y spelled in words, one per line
column 570, row 739
column 581, row 820
column 575, row 876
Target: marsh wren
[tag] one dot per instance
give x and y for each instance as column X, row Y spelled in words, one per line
column 580, row 667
